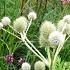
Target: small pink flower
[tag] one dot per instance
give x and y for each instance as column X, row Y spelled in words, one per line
column 65, row 1
column 9, row 58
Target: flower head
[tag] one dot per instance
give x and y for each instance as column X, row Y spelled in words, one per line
column 65, row 22
column 26, row 66
column 67, row 19
column 20, row 24
column 56, row 38
column 6, row 21
column 9, row 58
column 1, row 25
column 32, row 15
column 39, row 65
column 46, row 28
column 65, row 1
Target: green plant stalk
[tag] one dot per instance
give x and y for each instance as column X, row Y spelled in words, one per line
column 37, row 51
column 56, row 54
column 6, row 45
column 13, row 29
column 29, row 41
column 49, row 56
column 2, row 57
column 28, row 26
column 11, row 33
column 67, row 38
column 52, row 57
column 59, row 47
column 44, row 60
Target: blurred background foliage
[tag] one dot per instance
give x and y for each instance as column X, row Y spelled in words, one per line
column 52, row 10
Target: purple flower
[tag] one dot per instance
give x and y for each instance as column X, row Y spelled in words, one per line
column 21, row 60
column 65, row 1
column 9, row 58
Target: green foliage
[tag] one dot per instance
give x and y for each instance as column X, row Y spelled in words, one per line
column 51, row 10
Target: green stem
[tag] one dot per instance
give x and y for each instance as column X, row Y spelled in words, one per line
column 52, row 58
column 67, row 38
column 37, row 51
column 11, row 33
column 56, row 54
column 28, row 26
column 49, row 56
column 39, row 56
column 13, row 29
column 6, row 45
column 2, row 57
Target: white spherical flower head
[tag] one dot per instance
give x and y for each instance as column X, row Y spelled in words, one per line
column 1, row 25
column 20, row 24
column 67, row 19
column 32, row 15
column 56, row 38
column 26, row 66
column 6, row 21
column 39, row 65
column 46, row 28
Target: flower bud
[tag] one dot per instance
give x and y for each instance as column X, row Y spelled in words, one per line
column 32, row 15
column 39, row 65
column 6, row 21
column 26, row 66
column 1, row 25
column 56, row 38
column 20, row 24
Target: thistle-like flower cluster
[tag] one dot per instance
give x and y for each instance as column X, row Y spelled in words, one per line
column 56, row 38
column 20, row 24
column 50, row 36
column 46, row 28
